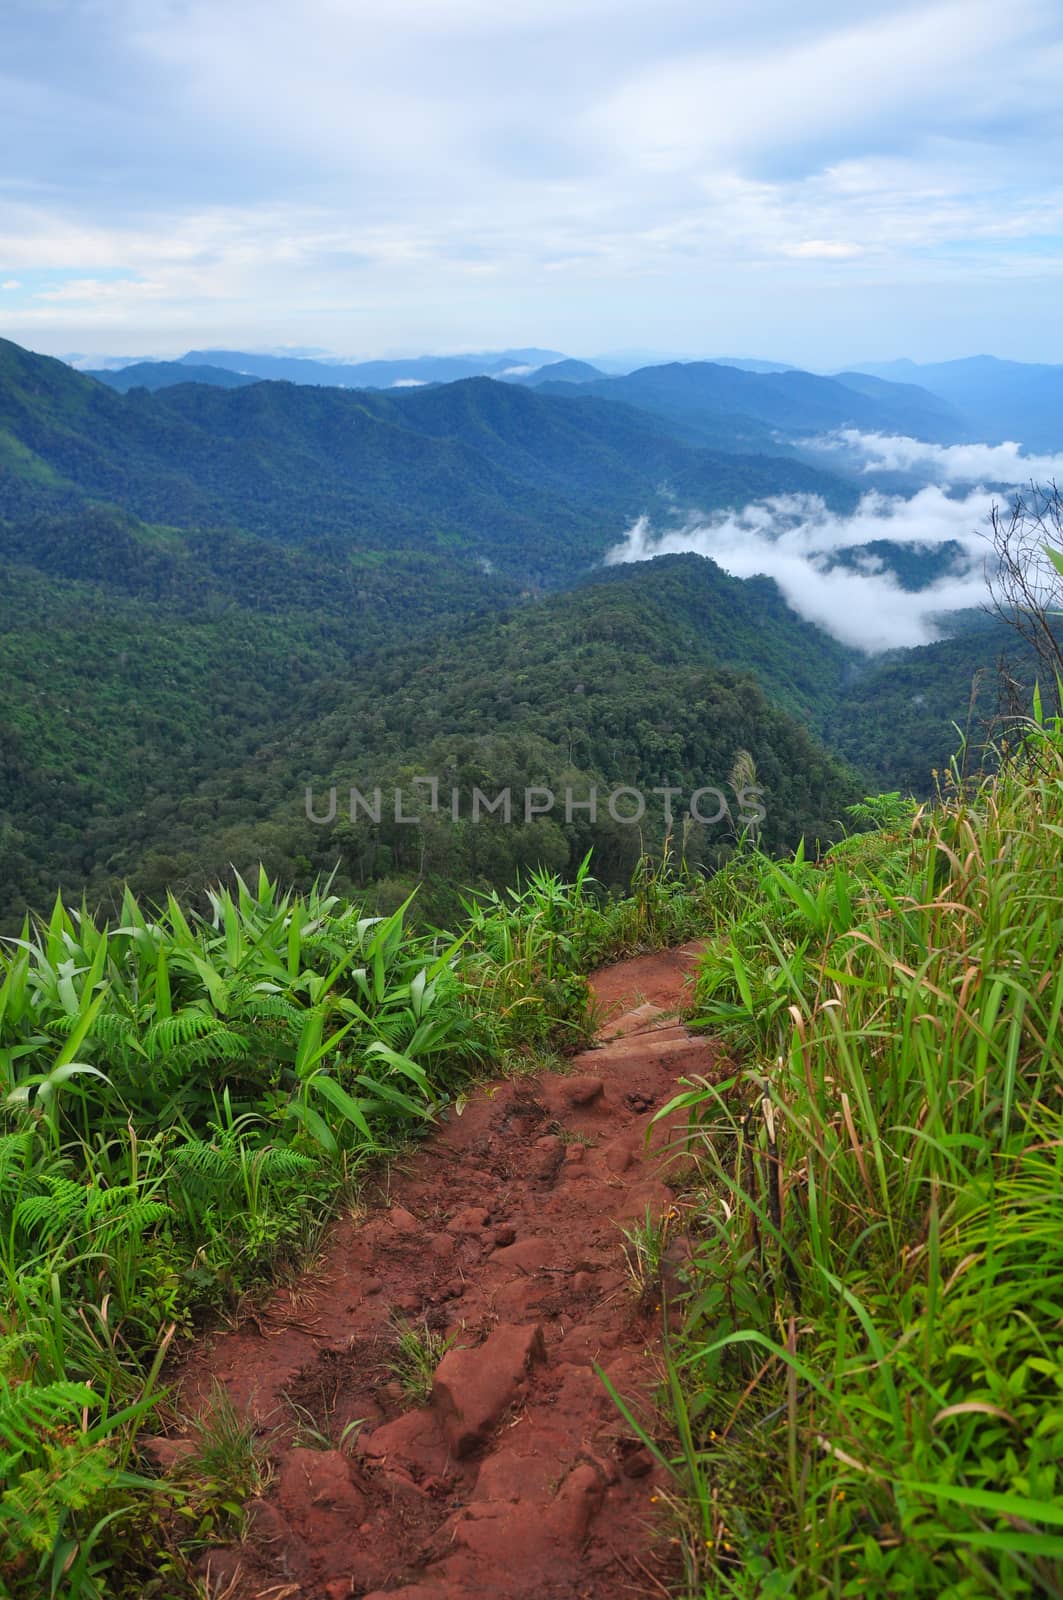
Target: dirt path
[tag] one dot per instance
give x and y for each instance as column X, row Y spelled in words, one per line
column 518, row 1479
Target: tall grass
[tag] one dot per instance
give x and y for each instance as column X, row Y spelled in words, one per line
column 871, row 1364
column 184, row 1100
column 529, row 949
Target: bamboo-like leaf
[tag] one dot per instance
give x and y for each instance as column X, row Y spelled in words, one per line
column 338, row 1097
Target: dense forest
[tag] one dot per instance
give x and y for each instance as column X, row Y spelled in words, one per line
column 293, row 680
column 215, row 597
column 538, row 487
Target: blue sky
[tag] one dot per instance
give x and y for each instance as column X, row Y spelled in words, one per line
column 823, row 183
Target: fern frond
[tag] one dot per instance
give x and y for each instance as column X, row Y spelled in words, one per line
column 275, row 1162
column 15, row 1153
column 164, row 1037
column 27, row 1410
column 54, row 1210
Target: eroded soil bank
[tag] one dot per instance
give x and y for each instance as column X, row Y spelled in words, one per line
column 518, row 1478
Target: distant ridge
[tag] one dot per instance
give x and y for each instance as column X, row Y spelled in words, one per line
column 376, row 374
column 731, row 408
column 750, row 364
column 163, row 374
column 564, row 372
column 1019, row 400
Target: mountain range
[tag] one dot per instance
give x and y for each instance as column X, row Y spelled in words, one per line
column 980, row 398
column 538, row 484
column 211, row 596
column 1001, row 400
column 376, row 374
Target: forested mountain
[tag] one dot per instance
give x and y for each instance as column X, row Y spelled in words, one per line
column 915, row 566
column 907, row 712
column 167, row 701
column 162, row 741
column 913, row 410
column 563, row 372
column 211, row 597
column 164, row 374
column 1018, row 400
column 138, row 662
column 735, row 408
column 540, row 487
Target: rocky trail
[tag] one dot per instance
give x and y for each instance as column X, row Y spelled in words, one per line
column 515, row 1475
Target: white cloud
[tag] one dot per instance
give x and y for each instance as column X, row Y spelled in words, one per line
column 946, row 464
column 823, row 250
column 95, row 291
column 792, row 538
column 874, row 84
column 448, row 172
column 11, row 283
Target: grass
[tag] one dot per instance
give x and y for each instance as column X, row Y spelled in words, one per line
column 308, row 1434
column 868, row 1382
column 645, row 1243
column 413, row 1362
column 187, row 1098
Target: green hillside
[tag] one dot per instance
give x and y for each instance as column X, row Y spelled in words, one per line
column 733, row 408
column 539, row 487
column 908, row 710
column 212, row 598
column 161, row 740
column 165, row 374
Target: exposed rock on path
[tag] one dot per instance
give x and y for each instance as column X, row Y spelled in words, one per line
column 517, row 1478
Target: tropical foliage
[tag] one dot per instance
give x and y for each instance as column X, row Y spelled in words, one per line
column 185, row 1101
column 868, row 1378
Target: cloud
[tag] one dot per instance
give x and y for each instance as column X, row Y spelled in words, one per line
column 865, row 87
column 451, row 172
column 947, row 464
column 11, row 283
column 793, row 539
column 93, row 291
column 823, row 250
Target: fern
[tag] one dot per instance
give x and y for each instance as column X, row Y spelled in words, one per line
column 35, row 1507
column 113, row 1214
column 277, row 1162
column 28, row 1410
column 209, row 1164
column 103, row 1216
column 16, row 1154
column 116, row 1033
column 201, row 1160
column 223, row 1044
column 170, row 1034
column 52, row 1212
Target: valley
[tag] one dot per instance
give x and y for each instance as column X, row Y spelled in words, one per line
column 531, row 795
column 442, row 1200
column 215, row 596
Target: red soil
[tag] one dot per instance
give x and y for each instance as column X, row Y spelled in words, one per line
column 520, row 1479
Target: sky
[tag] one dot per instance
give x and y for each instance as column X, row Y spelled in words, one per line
column 820, row 183
column 794, row 538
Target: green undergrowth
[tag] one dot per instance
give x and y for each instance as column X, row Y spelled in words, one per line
column 185, row 1100
column 867, row 1376
column 532, row 946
